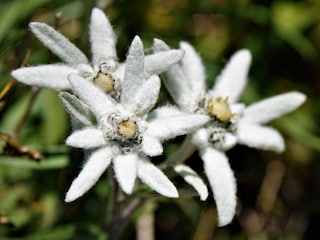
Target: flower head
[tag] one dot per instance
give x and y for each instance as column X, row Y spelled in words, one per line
column 104, row 70
column 127, row 133
column 231, row 122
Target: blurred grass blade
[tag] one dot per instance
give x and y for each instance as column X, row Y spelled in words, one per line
column 54, row 162
column 15, row 11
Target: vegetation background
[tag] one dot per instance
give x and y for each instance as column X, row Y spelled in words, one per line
column 279, row 195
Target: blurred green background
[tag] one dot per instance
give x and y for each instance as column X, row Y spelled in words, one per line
column 279, row 195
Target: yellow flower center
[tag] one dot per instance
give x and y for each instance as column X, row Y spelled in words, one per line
column 219, row 109
column 104, row 81
column 128, row 129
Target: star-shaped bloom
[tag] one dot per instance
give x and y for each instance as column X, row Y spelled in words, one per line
column 231, row 122
column 127, row 133
column 104, row 69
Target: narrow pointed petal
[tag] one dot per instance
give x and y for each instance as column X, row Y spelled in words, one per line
column 50, row 76
column 193, row 179
column 164, row 112
column 146, row 97
column 231, row 82
column 86, row 138
column 271, row 108
column 170, row 127
column 134, row 71
column 77, row 109
column 98, row 102
column 125, row 168
column 155, row 179
column 89, row 175
column 160, row 62
column 151, row 146
column 222, row 182
column 193, row 67
column 260, row 137
column 58, row 44
column 175, row 81
column 102, row 37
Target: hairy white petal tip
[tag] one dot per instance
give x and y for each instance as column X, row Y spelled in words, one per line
column 193, row 179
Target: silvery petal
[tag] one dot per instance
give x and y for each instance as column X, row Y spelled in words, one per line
column 134, row 71
column 125, row 168
column 146, row 97
column 222, row 182
column 271, row 108
column 159, row 62
column 151, row 146
column 102, row 37
column 155, row 179
column 176, row 83
column 58, row 44
column 165, row 112
column 77, row 109
column 231, row 82
column 193, row 179
column 98, row 102
column 193, row 67
column 89, row 175
column 86, row 138
column 260, row 137
column 52, row 76
column 201, row 138
column 172, row 126
column 230, row 140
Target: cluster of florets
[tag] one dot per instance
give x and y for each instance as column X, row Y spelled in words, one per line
column 119, row 121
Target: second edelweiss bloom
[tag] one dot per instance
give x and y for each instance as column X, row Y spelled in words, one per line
column 104, row 70
column 127, row 133
column 231, row 122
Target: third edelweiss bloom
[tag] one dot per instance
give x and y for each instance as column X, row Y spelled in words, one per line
column 231, row 122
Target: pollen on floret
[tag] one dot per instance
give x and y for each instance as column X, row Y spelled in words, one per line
column 104, row 81
column 128, row 129
column 219, row 109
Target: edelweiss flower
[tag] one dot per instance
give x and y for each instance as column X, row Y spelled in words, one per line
column 126, row 133
column 104, row 70
column 231, row 122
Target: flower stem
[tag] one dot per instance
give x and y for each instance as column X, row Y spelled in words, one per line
column 183, row 153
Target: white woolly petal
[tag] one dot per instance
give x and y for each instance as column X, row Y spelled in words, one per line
column 134, row 71
column 193, row 67
column 230, row 141
column 193, row 179
column 49, row 76
column 89, row 175
column 151, row 146
column 99, row 103
column 146, row 97
column 176, row 82
column 200, row 138
column 125, row 168
column 155, row 179
column 231, row 82
column 260, row 137
column 58, row 43
column 159, row 62
column 165, row 112
column 102, row 37
column 172, row 126
column 271, row 108
column 86, row 138
column 222, row 182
